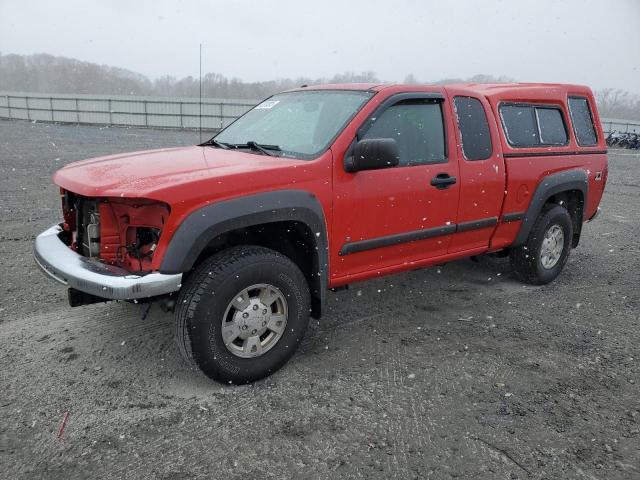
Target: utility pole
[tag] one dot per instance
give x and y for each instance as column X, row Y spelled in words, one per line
column 200, row 106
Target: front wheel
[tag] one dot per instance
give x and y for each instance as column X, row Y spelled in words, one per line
column 542, row 257
column 242, row 313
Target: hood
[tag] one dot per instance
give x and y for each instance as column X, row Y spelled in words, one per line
column 148, row 173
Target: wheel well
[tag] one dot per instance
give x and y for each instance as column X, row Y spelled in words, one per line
column 573, row 201
column 293, row 239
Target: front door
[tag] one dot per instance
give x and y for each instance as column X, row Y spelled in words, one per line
column 399, row 215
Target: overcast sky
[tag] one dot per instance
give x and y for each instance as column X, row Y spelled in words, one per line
column 581, row 41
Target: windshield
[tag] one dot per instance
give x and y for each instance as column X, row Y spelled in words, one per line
column 300, row 124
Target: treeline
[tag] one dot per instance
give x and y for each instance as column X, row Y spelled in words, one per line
column 45, row 73
column 616, row 103
column 49, row 74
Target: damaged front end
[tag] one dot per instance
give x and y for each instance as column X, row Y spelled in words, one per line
column 118, row 231
column 104, row 249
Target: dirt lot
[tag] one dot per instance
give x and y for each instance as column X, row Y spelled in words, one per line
column 458, row 372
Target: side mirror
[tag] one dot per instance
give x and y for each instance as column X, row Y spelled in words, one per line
column 373, row 154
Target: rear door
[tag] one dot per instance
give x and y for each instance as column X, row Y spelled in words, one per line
column 396, row 216
column 482, row 170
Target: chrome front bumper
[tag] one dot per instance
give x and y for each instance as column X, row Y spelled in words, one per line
column 88, row 275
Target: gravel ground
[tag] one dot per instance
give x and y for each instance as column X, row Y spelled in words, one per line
column 457, row 372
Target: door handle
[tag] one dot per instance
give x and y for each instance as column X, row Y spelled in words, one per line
column 442, row 181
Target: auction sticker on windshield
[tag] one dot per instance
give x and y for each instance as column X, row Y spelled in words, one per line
column 267, row 104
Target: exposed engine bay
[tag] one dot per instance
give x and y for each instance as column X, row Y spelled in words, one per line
column 119, row 231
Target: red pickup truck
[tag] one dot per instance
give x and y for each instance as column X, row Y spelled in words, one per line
column 319, row 187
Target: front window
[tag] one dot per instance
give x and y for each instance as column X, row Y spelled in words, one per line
column 417, row 126
column 299, row 124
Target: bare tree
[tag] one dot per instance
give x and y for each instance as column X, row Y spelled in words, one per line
column 616, row 103
column 410, row 79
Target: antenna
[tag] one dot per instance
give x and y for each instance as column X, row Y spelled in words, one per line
column 200, row 105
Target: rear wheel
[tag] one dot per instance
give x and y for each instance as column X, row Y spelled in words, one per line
column 242, row 313
column 542, row 257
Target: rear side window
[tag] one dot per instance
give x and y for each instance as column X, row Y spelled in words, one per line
column 582, row 121
column 417, row 127
column 552, row 129
column 519, row 125
column 533, row 126
column 474, row 128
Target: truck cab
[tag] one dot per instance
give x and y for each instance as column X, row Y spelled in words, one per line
column 317, row 188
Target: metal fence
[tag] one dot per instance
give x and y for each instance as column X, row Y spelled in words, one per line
column 616, row 125
column 165, row 112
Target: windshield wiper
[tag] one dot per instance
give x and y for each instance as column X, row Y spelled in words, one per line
column 263, row 148
column 214, row 143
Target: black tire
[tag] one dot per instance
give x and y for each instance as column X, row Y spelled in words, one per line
column 208, row 292
column 526, row 260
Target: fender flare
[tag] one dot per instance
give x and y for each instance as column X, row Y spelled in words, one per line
column 203, row 225
column 551, row 185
